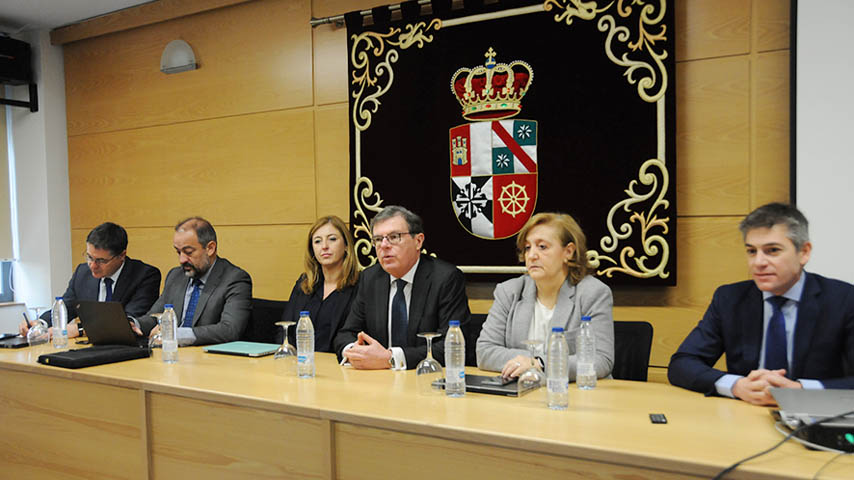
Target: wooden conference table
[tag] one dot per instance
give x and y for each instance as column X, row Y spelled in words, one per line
column 214, row 416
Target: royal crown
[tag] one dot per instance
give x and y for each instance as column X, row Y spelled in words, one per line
column 492, row 91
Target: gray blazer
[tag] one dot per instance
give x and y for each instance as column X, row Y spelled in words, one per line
column 224, row 305
column 513, row 311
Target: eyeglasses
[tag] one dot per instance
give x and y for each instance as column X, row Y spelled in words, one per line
column 99, row 261
column 393, row 238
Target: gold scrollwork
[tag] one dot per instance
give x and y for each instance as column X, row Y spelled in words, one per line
column 370, row 84
column 654, row 243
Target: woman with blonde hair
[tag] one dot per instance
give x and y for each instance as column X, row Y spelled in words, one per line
column 556, row 291
column 327, row 286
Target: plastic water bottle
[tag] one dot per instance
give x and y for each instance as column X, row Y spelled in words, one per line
column 585, row 350
column 169, row 332
column 59, row 319
column 455, row 361
column 305, row 346
column 557, row 371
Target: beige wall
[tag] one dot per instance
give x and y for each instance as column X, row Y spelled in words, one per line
column 256, row 141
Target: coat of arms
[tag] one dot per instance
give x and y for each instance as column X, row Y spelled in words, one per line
column 493, row 159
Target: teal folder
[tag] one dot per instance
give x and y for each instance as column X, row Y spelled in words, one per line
column 244, row 349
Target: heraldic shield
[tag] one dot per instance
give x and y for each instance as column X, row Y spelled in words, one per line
column 494, row 176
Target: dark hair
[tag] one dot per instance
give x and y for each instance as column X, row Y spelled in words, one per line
column 205, row 232
column 568, row 231
column 350, row 273
column 109, row 236
column 772, row 214
column 413, row 221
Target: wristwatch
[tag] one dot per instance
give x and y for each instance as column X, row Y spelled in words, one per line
column 540, row 362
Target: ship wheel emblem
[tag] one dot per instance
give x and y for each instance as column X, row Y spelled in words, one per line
column 514, row 199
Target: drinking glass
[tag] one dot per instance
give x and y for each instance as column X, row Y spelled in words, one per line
column 286, row 355
column 156, row 340
column 38, row 333
column 428, row 370
column 531, row 378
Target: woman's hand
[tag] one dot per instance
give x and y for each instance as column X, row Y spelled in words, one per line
column 516, row 365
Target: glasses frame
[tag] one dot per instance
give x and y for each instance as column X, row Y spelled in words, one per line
column 394, row 238
column 99, row 261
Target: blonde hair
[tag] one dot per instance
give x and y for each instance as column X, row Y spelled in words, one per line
column 349, row 272
column 568, row 232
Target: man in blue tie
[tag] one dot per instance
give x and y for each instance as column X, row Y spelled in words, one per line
column 211, row 296
column 108, row 274
column 405, row 293
column 786, row 328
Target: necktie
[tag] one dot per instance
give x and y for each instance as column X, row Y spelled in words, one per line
column 191, row 305
column 775, row 337
column 108, row 282
column 399, row 316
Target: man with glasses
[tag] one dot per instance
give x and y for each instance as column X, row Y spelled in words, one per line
column 405, row 293
column 211, row 296
column 108, row 275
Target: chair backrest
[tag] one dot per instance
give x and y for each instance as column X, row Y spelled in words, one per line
column 262, row 323
column 471, row 333
column 632, row 344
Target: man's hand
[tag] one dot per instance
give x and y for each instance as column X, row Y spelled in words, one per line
column 754, row 387
column 516, row 365
column 24, row 327
column 368, row 354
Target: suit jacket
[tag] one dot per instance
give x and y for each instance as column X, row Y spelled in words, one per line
column 327, row 315
column 512, row 312
column 224, row 304
column 823, row 338
column 438, row 295
column 136, row 289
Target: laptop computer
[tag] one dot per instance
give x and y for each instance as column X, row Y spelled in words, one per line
column 243, row 349
column 491, row 384
column 807, row 406
column 10, row 317
column 106, row 323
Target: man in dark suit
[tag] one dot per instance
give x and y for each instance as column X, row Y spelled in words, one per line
column 404, row 294
column 108, row 275
column 786, row 328
column 210, row 295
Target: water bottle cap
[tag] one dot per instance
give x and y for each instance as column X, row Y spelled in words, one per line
column 168, row 305
column 557, row 329
column 304, row 313
column 585, row 318
column 454, row 323
column 58, row 298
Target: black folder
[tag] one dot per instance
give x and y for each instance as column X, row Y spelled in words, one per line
column 95, row 355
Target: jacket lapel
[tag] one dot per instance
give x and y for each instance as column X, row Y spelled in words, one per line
column 121, row 285
column 565, row 307
column 523, row 313
column 808, row 314
column 420, row 291
column 381, row 291
column 208, row 289
column 751, row 327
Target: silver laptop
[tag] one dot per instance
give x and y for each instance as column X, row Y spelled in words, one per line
column 799, row 406
column 11, row 316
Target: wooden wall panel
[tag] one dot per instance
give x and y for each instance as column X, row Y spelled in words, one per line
column 253, row 169
column 267, row 444
column 333, row 161
column 329, row 8
column 772, row 24
column 713, row 136
column 770, row 167
column 114, row 82
column 712, row 28
column 330, row 64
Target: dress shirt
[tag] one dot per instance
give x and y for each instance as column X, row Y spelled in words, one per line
column 538, row 330
column 185, row 334
column 102, row 285
column 790, row 313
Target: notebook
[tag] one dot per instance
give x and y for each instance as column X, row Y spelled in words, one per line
column 490, row 385
column 244, row 349
column 107, row 324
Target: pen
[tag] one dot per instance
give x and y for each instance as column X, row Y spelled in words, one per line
column 26, row 320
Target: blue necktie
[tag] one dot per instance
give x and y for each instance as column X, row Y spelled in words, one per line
column 775, row 337
column 399, row 316
column 108, row 282
column 191, row 306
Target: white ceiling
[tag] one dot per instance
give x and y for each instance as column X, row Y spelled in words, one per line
column 25, row 15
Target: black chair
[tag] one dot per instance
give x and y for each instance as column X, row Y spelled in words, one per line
column 471, row 333
column 632, row 344
column 262, row 324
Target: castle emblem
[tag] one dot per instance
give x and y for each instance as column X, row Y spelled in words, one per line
column 493, row 159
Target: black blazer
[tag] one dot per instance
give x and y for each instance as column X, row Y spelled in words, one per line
column 438, row 295
column 137, row 288
column 327, row 315
column 823, row 338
